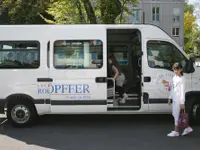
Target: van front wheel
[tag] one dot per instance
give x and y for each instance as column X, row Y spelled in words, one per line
column 21, row 114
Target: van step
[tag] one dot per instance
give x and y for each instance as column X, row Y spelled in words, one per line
column 123, row 108
column 110, row 94
column 129, row 102
column 129, row 95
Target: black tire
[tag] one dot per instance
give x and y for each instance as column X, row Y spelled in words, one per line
column 28, row 107
column 194, row 110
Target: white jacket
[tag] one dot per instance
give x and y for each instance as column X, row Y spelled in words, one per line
column 178, row 89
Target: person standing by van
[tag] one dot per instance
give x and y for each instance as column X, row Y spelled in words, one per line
column 119, row 77
column 177, row 95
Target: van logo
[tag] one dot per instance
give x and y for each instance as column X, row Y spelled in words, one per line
column 167, row 85
column 164, row 79
column 63, row 89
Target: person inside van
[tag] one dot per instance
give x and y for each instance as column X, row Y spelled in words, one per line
column 119, row 78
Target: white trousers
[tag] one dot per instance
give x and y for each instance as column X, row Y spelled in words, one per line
column 176, row 110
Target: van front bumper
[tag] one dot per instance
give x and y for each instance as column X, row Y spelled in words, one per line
column 2, row 105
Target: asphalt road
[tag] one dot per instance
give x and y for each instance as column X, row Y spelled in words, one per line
column 98, row 132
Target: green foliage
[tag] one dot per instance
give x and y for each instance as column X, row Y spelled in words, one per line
column 189, row 28
column 194, row 45
column 188, row 8
column 191, row 32
column 24, row 11
column 67, row 11
column 86, row 11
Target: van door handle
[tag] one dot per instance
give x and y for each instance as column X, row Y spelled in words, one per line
column 101, row 80
column 139, row 62
column 44, row 80
column 147, row 79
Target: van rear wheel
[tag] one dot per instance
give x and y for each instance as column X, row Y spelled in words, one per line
column 21, row 114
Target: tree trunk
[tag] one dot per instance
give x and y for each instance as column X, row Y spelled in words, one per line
column 81, row 15
column 90, row 11
column 122, row 11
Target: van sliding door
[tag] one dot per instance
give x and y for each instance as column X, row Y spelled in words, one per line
column 78, row 70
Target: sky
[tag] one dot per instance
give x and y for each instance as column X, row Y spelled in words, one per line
column 192, row 1
column 197, row 8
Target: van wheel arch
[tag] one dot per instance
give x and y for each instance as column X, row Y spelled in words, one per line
column 27, row 103
column 193, row 106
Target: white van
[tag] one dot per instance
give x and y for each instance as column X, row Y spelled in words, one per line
column 62, row 69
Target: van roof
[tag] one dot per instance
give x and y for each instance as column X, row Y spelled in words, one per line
column 149, row 31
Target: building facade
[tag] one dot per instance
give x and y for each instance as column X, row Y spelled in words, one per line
column 167, row 14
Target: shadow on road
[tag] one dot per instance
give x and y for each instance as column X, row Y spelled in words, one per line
column 101, row 132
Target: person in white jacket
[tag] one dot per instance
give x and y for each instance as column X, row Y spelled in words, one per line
column 177, row 95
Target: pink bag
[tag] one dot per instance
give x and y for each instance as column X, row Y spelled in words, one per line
column 183, row 119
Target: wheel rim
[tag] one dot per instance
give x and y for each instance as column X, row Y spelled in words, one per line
column 20, row 114
column 196, row 112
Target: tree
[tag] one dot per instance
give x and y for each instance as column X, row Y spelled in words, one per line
column 25, row 11
column 188, row 8
column 196, row 38
column 189, row 27
column 66, row 12
column 191, row 32
column 89, row 11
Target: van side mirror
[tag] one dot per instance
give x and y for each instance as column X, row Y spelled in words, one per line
column 192, row 59
column 189, row 67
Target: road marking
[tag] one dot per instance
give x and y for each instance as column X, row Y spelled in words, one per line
column 4, row 121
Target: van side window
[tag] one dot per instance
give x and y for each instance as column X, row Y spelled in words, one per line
column 121, row 54
column 78, row 54
column 19, row 54
column 163, row 55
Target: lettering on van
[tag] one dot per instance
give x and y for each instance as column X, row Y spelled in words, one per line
column 63, row 89
column 163, row 76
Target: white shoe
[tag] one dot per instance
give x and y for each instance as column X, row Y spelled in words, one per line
column 125, row 96
column 122, row 100
column 173, row 134
column 187, row 131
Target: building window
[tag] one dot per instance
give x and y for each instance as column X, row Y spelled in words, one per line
column 175, row 31
column 78, row 54
column 19, row 54
column 156, row 14
column 176, row 15
column 136, row 17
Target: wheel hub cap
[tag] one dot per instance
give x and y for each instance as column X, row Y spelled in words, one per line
column 196, row 112
column 20, row 114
